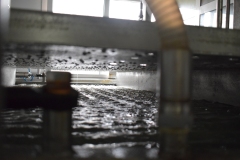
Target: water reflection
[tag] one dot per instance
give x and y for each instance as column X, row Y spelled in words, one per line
column 111, row 117
column 105, row 115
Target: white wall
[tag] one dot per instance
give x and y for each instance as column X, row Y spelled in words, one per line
column 8, row 76
column 27, row 4
column 37, row 5
column 137, row 80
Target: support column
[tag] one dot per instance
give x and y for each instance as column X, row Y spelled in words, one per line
column 228, row 14
column 57, row 119
column 106, row 8
column 175, row 95
column 236, row 21
column 219, row 13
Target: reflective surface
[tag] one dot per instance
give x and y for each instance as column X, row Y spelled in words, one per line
column 116, row 122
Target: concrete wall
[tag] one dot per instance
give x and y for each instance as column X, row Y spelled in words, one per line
column 217, row 86
column 221, row 86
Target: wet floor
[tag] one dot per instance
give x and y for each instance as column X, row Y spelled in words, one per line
column 116, row 122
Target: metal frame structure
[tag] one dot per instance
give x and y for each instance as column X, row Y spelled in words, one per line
column 57, row 29
column 214, row 6
column 210, row 6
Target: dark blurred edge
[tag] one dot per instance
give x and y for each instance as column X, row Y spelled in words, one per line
column 4, row 19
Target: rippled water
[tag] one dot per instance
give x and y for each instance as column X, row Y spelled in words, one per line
column 106, row 116
column 116, row 117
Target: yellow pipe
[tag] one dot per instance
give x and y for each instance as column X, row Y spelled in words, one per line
column 170, row 24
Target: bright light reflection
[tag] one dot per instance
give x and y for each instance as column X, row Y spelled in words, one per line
column 113, row 64
column 190, row 16
column 143, row 65
column 124, row 9
column 79, row 7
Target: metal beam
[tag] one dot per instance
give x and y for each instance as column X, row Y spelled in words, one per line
column 47, row 28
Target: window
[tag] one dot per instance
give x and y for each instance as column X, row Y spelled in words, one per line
column 190, row 16
column 123, row 9
column 231, row 17
column 79, row 7
column 209, row 19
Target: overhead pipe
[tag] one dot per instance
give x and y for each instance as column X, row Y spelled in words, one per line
column 175, row 80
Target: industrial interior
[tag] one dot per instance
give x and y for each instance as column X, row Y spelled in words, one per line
column 120, row 79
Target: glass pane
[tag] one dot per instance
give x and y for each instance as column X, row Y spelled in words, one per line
column 208, row 19
column 79, row 7
column 123, row 9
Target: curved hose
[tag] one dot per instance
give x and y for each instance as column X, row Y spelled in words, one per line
column 170, row 23
column 175, row 84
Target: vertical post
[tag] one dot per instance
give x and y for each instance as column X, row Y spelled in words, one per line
column 106, row 8
column 219, row 13
column 175, row 95
column 228, row 14
column 236, row 14
column 57, row 122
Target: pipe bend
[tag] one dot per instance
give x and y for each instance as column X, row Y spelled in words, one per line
column 169, row 21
